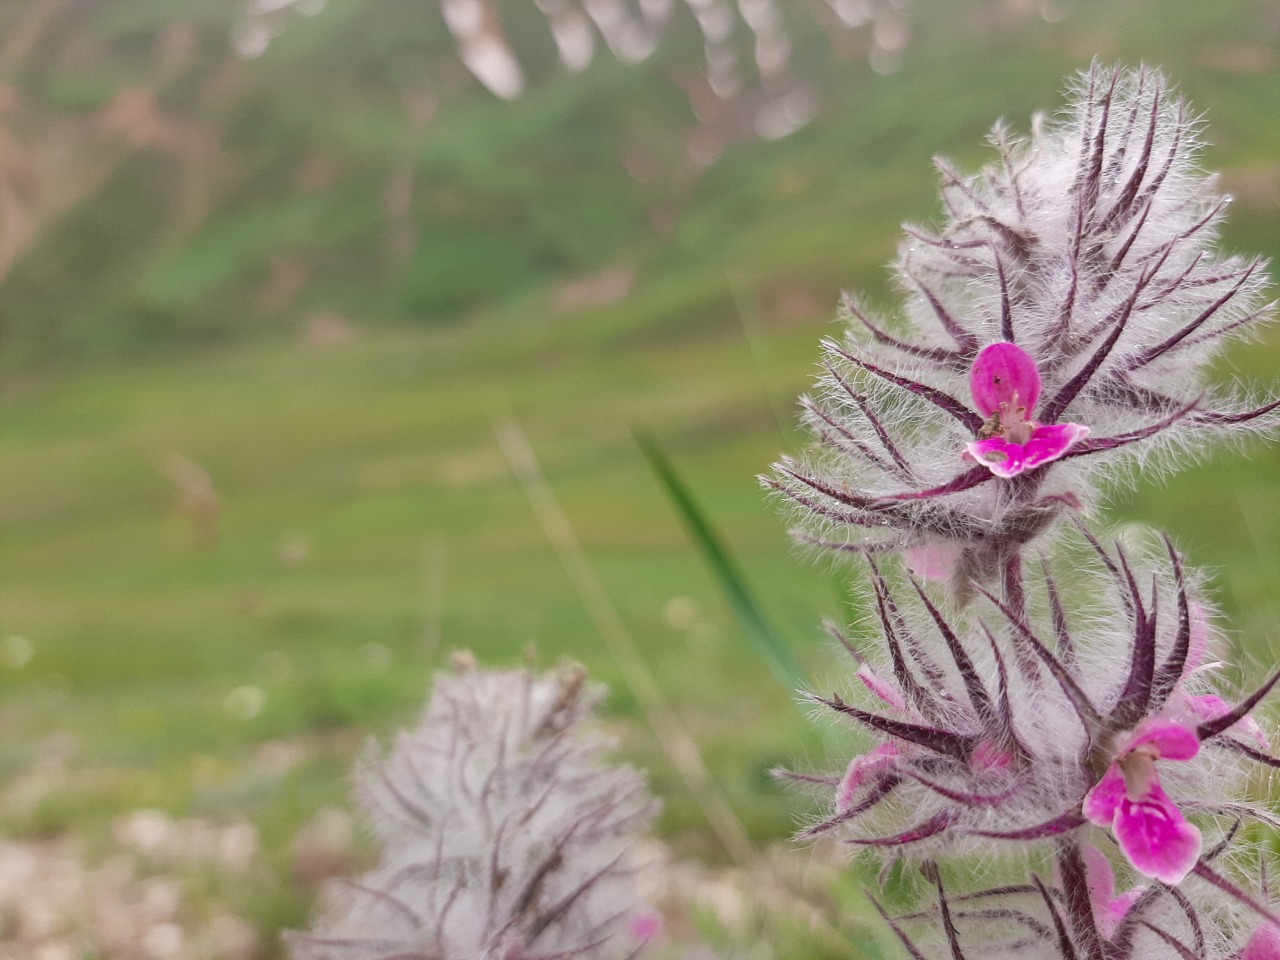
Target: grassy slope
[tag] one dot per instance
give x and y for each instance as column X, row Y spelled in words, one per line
column 380, row 451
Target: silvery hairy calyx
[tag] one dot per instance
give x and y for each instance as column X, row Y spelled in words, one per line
column 503, row 834
column 1052, row 758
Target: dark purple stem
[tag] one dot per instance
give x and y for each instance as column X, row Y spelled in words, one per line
column 943, row 401
column 1065, row 946
column 1075, row 886
column 931, row 738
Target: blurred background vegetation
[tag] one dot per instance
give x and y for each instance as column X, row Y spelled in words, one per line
column 261, row 307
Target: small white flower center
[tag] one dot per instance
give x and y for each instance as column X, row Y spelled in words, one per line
column 1014, row 425
column 1139, row 769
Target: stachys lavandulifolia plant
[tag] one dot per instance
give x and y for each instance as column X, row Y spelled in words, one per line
column 503, row 834
column 1051, row 740
column 1082, row 266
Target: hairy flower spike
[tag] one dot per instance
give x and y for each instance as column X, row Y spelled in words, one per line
column 504, row 837
column 1054, row 696
column 1089, row 247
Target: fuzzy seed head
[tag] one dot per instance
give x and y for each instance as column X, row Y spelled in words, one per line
column 504, row 835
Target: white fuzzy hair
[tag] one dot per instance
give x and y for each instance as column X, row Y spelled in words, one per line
column 1092, row 245
column 503, row 833
column 1060, row 750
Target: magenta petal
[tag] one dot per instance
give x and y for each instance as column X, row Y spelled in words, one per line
column 1108, row 909
column 933, row 561
column 1158, row 840
column 1118, row 907
column 989, row 757
column 1171, row 740
column 1210, row 707
column 1102, row 802
column 1264, row 944
column 1047, row 443
column 645, row 926
column 1000, row 371
column 1051, row 441
column 881, row 689
column 998, row 455
column 1099, row 877
column 863, row 768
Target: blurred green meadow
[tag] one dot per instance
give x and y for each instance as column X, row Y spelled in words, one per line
column 241, row 309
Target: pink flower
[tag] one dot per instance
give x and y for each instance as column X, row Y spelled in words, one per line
column 1006, row 387
column 934, row 561
column 990, row 757
column 883, row 758
column 1151, row 831
column 882, row 690
column 1207, row 706
column 880, row 761
column 1200, row 708
column 1108, row 909
column 645, row 926
column 1264, row 944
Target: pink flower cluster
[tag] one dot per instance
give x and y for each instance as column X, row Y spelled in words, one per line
column 1033, row 690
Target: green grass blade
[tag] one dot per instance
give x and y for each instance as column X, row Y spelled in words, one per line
column 740, row 596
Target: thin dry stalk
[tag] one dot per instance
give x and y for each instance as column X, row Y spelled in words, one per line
column 681, row 749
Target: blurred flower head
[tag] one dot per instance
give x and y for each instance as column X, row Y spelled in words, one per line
column 504, row 834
